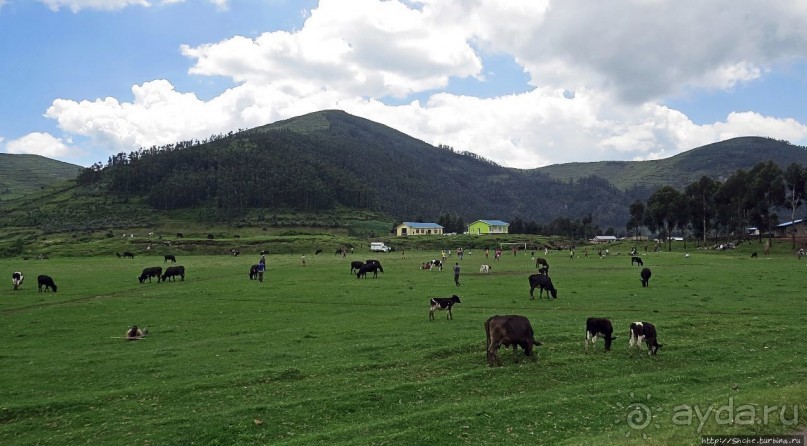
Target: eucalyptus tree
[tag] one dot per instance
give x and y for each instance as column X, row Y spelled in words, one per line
column 795, row 178
column 636, row 220
column 733, row 198
column 767, row 193
column 666, row 208
column 701, row 195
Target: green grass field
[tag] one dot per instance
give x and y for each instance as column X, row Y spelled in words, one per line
column 314, row 356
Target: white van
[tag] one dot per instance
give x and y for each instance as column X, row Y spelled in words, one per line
column 378, row 247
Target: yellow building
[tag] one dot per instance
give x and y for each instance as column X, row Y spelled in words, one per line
column 488, row 227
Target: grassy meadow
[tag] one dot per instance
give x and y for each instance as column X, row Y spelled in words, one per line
column 315, row 356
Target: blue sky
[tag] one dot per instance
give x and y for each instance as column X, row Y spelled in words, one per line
column 524, row 83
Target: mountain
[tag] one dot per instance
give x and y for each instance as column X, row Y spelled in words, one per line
column 718, row 161
column 23, row 174
column 331, row 160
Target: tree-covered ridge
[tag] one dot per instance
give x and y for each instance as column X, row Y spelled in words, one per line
column 351, row 162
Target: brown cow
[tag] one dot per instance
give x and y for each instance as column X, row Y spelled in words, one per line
column 509, row 330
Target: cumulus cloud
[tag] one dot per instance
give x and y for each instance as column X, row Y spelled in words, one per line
column 38, row 143
column 111, row 5
column 599, row 74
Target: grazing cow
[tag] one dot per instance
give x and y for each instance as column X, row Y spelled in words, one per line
column 443, row 303
column 117, row 254
column 355, row 266
column 173, row 271
column 754, row 255
column 509, row 330
column 128, row 254
column 148, row 273
column 319, row 251
column 234, row 252
column 435, row 265
column 598, row 326
column 485, row 269
column 179, row 235
column 541, row 263
column 544, row 283
column 253, row 271
column 47, row 282
column 644, row 331
column 367, row 268
column 16, row 280
column 171, row 258
column 636, row 260
column 646, row 277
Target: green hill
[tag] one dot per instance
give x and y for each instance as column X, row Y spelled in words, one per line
column 718, row 160
column 23, row 174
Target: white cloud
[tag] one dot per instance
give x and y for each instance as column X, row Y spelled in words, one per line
column 38, row 143
column 112, row 5
column 620, row 59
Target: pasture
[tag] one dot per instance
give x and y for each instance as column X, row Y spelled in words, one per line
column 315, row 356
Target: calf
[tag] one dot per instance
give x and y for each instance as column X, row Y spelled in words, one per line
column 369, row 268
column 16, row 280
column 443, row 303
column 169, row 257
column 47, row 282
column 355, row 266
column 509, row 330
column 148, row 273
column 128, row 254
column 541, row 263
column 645, row 277
column 636, row 260
column 598, row 326
column 543, row 282
column 253, row 271
column 172, row 271
column 644, row 331
column 485, row 269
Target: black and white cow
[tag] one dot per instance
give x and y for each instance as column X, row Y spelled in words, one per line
column 542, row 264
column 636, row 260
column 644, row 331
column 47, row 282
column 148, row 273
column 16, row 280
column 443, row 303
column 436, row 265
column 599, row 326
column 543, row 282
column 128, row 254
column 509, row 330
column 646, row 273
column 355, row 266
column 172, row 271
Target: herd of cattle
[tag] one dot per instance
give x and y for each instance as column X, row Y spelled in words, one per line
column 516, row 331
column 507, row 330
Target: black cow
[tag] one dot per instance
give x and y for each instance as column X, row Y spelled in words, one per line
column 543, row 282
column 355, row 266
column 16, row 280
column 128, row 254
column 645, row 277
column 47, row 282
column 443, row 303
column 367, row 268
column 644, row 331
column 636, row 260
column 148, row 273
column 169, row 257
column 173, row 271
column 598, row 326
column 509, row 330
column 179, row 235
column 253, row 271
column 318, row 252
column 542, row 264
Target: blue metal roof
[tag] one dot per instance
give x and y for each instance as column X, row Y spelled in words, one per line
column 789, row 223
column 495, row 222
column 417, row 225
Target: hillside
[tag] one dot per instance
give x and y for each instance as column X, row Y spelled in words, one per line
column 23, row 174
column 718, row 160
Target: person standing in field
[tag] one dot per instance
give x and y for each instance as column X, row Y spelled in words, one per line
column 261, row 268
column 457, row 274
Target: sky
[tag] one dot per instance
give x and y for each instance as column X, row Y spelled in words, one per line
column 524, row 83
